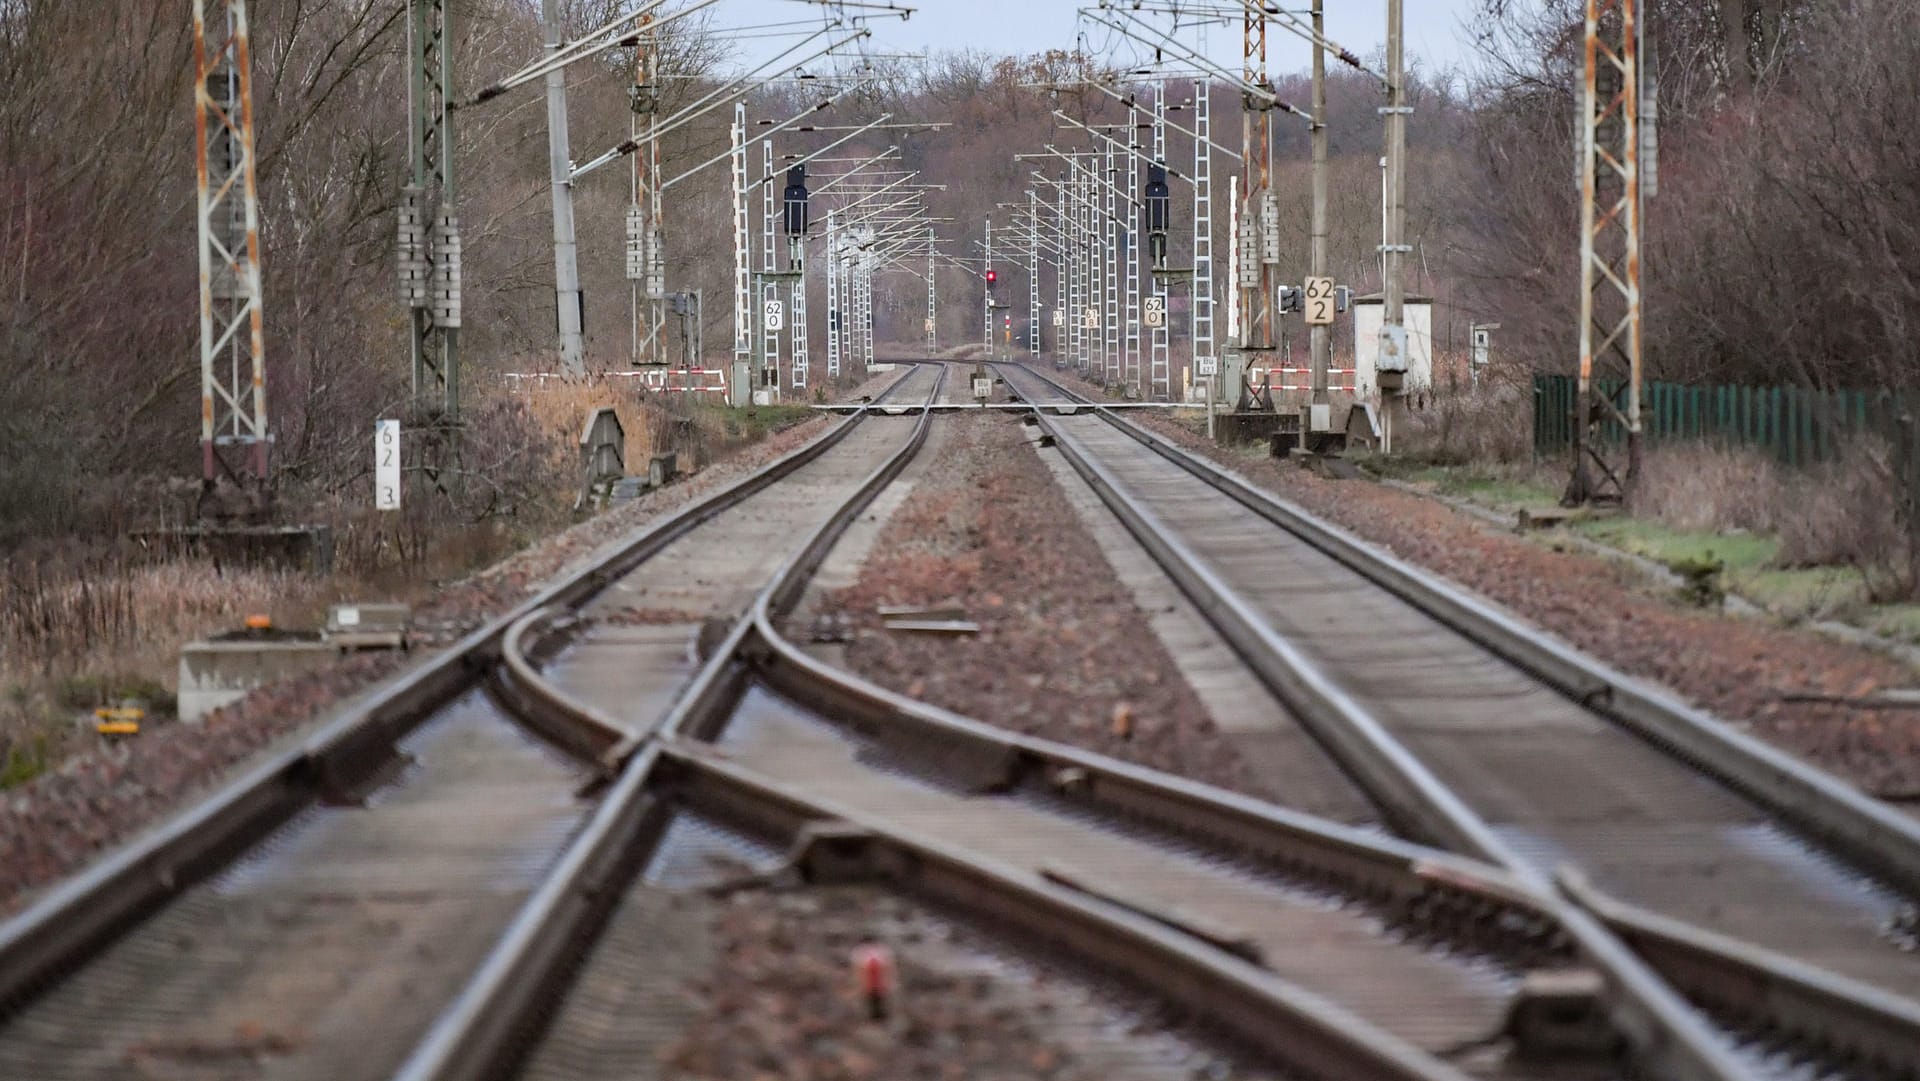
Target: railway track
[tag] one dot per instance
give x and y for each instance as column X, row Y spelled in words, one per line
column 312, row 917
column 1325, row 950
column 331, row 947
column 1477, row 734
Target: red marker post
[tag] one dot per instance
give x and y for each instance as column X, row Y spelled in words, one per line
column 873, row 973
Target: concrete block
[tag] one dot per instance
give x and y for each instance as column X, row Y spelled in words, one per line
column 661, row 469
column 214, row 674
column 376, row 625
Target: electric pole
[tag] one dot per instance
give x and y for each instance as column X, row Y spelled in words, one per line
column 646, row 257
column 741, row 378
column 1260, row 218
column 834, row 274
column 1062, row 276
column 566, row 263
column 1391, row 366
column 1321, row 335
column 1033, row 273
column 986, row 290
column 1610, row 193
column 234, row 433
column 429, row 248
column 1110, row 274
column 1202, row 346
column 1160, row 365
column 1130, row 251
column 769, row 374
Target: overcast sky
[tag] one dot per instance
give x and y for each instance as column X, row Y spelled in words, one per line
column 1434, row 36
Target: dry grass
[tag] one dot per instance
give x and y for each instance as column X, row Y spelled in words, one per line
column 1490, row 425
column 561, row 407
column 86, row 626
column 1700, row 486
column 1844, row 513
column 80, row 633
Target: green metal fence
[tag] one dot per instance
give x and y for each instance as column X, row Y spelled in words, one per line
column 1797, row 425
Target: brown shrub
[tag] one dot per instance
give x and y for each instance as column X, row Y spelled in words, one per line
column 1850, row 513
column 1701, row 486
column 1490, row 425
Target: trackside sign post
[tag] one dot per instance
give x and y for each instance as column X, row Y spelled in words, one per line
column 386, row 465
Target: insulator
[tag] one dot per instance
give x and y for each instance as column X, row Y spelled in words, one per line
column 411, row 251
column 655, row 252
column 446, row 270
column 1269, row 227
column 636, row 244
column 1249, row 245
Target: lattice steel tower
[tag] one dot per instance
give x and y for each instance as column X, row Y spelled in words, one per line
column 1610, row 193
column 234, row 434
column 429, row 245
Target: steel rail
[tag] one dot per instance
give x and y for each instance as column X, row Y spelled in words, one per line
column 1648, row 1013
column 1741, row 979
column 493, row 1015
column 1817, row 803
column 1258, row 1008
column 77, row 916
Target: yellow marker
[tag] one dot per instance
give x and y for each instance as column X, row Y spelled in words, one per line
column 118, row 722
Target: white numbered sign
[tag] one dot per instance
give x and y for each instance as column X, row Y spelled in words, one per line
column 386, row 465
column 1156, row 312
column 1091, row 319
column 1207, row 367
column 1059, row 317
column 1320, row 302
column 776, row 315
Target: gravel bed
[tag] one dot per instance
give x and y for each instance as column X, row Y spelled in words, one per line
column 1746, row 671
column 1062, row 651
column 52, row 825
column 782, row 1003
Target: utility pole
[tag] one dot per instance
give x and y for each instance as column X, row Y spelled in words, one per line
column 1131, row 253
column 1062, row 275
column 429, row 254
column 797, row 223
column 1610, row 194
column 566, row 263
column 986, row 290
column 234, row 433
column 834, row 274
column 1110, row 275
column 1160, row 366
column 866, row 306
column 742, row 375
column 1202, row 232
column 1321, row 335
column 646, row 255
column 1033, row 273
column 769, row 374
column 933, row 314
column 1259, row 239
column 1391, row 364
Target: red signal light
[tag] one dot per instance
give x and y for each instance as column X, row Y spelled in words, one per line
column 992, row 277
